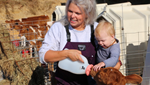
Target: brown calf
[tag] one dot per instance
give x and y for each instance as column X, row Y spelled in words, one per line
column 112, row 76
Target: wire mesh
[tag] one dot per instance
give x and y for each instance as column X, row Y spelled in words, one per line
column 135, row 50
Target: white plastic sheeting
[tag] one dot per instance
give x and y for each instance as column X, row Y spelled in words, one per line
column 60, row 12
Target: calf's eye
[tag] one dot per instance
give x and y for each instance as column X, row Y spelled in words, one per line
column 27, row 29
column 16, row 23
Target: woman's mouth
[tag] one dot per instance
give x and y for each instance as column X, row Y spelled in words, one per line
column 72, row 21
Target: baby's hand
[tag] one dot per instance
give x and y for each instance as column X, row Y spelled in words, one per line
column 98, row 66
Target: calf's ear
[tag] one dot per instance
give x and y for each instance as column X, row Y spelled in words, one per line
column 133, row 79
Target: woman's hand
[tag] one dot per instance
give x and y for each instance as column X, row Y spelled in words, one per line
column 98, row 66
column 74, row 55
column 118, row 65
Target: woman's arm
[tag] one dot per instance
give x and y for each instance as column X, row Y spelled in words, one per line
column 118, row 65
column 53, row 56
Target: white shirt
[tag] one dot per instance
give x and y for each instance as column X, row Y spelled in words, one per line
column 56, row 38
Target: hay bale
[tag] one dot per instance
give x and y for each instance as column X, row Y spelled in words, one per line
column 17, row 69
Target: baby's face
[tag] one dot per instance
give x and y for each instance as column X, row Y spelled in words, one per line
column 104, row 39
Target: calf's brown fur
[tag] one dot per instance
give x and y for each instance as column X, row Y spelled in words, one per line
column 112, row 76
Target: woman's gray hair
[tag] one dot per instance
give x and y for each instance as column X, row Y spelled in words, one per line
column 89, row 7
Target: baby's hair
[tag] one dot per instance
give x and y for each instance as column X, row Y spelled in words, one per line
column 104, row 25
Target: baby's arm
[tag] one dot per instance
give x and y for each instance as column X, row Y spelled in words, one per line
column 98, row 66
column 112, row 60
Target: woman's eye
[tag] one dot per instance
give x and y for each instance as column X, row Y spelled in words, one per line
column 78, row 13
column 69, row 11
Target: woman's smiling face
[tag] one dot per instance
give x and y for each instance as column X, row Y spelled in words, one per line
column 76, row 16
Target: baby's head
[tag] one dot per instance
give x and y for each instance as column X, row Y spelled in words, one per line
column 105, row 34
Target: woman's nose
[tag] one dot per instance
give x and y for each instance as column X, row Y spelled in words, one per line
column 73, row 15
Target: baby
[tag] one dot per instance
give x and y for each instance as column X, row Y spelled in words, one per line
column 108, row 48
